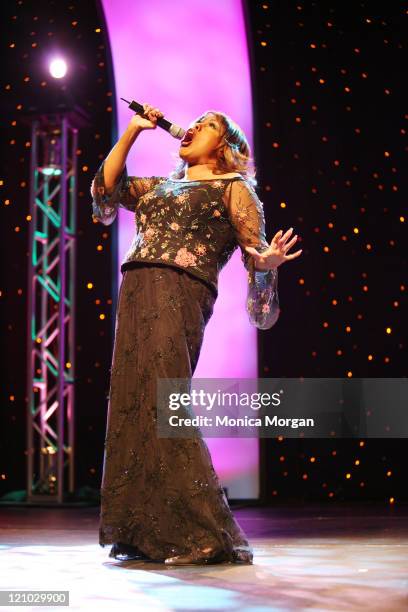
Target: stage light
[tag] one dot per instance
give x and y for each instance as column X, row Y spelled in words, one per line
column 58, row 68
column 51, row 170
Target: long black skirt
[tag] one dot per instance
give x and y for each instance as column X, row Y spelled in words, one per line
column 160, row 495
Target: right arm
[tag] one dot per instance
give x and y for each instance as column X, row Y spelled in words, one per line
column 116, row 160
column 111, row 186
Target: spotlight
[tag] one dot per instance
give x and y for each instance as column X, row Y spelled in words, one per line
column 50, row 170
column 58, row 68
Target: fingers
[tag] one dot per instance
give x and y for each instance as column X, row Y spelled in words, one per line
column 281, row 241
column 293, row 255
column 152, row 112
column 285, row 247
column 290, row 243
column 285, row 236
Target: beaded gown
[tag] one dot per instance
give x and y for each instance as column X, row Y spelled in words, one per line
column 162, row 496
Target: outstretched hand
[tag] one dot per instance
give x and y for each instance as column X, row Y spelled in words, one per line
column 275, row 254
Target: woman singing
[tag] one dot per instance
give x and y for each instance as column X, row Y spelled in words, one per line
column 161, row 499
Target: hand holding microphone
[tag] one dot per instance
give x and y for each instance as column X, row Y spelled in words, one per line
column 148, row 117
column 147, row 120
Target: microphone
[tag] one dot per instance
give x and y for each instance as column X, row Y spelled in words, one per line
column 172, row 128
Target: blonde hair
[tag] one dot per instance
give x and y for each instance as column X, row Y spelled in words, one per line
column 234, row 156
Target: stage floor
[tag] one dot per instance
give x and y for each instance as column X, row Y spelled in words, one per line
column 316, row 558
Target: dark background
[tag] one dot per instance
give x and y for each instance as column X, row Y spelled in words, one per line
column 330, row 128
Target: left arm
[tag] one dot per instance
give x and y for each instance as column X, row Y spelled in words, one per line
column 247, row 218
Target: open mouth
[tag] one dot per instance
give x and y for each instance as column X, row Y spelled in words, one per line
column 188, row 137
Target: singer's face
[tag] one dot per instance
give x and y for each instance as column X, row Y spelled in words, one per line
column 202, row 140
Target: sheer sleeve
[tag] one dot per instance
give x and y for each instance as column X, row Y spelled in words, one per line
column 125, row 194
column 248, row 220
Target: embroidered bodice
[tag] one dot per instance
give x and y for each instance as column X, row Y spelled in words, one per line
column 195, row 225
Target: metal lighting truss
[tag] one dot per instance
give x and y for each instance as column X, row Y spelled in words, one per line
column 51, row 308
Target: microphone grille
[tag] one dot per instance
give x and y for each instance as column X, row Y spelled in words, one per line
column 177, row 131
